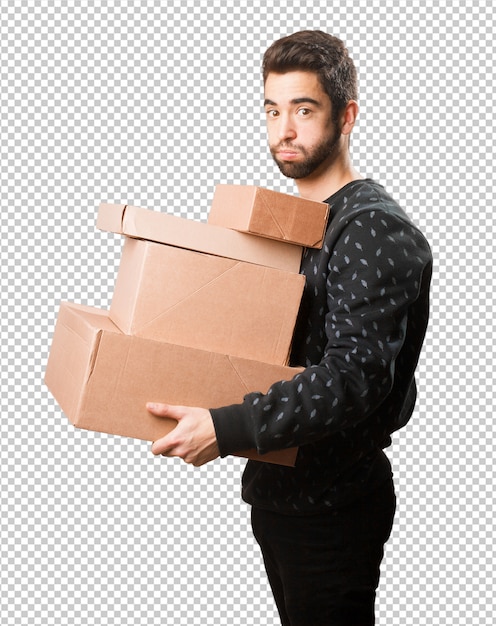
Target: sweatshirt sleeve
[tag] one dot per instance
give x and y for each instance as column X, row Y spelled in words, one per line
column 372, row 279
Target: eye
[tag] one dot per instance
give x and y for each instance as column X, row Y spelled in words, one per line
column 304, row 112
column 272, row 113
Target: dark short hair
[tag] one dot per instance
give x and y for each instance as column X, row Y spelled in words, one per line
column 318, row 52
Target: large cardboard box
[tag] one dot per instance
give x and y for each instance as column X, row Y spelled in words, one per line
column 102, row 378
column 268, row 213
column 193, row 235
column 205, row 301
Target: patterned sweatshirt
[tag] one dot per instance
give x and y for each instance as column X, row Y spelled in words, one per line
column 359, row 333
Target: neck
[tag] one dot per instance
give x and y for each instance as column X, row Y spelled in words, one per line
column 328, row 179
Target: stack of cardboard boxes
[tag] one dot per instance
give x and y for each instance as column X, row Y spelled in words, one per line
column 201, row 314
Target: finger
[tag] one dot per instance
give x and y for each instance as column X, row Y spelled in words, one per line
column 158, row 408
column 164, row 447
column 167, row 444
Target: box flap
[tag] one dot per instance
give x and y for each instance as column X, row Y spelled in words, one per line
column 269, row 213
column 110, row 217
column 205, row 301
column 67, row 371
column 193, row 235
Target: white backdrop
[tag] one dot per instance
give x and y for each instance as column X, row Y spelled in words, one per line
column 154, row 105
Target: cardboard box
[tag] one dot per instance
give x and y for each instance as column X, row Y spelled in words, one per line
column 183, row 233
column 269, row 213
column 102, row 378
column 205, row 301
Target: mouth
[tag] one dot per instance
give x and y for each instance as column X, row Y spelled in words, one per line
column 287, row 155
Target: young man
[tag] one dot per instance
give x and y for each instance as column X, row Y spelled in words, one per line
column 322, row 525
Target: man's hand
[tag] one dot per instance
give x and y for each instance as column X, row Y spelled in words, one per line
column 193, row 439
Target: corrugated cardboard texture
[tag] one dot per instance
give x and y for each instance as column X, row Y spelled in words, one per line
column 183, row 233
column 102, row 378
column 206, row 302
column 270, row 214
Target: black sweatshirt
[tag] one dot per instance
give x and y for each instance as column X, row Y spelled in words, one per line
column 359, row 333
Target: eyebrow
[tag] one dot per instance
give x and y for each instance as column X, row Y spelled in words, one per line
column 303, row 100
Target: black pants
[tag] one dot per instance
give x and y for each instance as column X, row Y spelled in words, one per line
column 324, row 569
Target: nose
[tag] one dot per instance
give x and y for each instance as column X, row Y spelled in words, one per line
column 286, row 130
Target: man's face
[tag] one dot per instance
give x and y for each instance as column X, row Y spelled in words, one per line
column 303, row 138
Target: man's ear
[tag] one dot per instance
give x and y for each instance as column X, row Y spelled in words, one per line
column 348, row 117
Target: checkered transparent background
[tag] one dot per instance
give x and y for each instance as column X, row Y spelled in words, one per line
column 154, row 105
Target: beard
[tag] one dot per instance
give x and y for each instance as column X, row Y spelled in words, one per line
column 313, row 158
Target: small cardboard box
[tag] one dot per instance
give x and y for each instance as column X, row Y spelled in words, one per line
column 102, row 378
column 269, row 213
column 205, row 301
column 193, row 235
